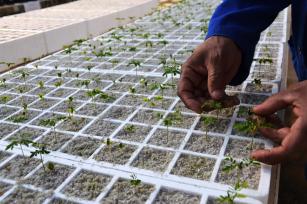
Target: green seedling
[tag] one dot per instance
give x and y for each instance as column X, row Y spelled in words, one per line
column 68, row 49
column 121, row 145
column 106, row 97
column 24, row 75
column 163, row 42
column 130, row 128
column 79, row 42
column 208, row 121
column 144, row 82
column 213, row 105
column 20, row 143
column 258, row 83
column 160, row 35
column 70, row 107
column 103, row 53
column 132, row 49
column 233, row 193
column 40, row 150
column 50, row 166
column 135, row 181
column 149, row 44
column 167, row 122
column 41, row 96
column 251, row 126
column 41, row 84
column 3, row 82
column 233, row 164
column 136, row 64
column 163, row 60
column 24, row 109
column 4, row 99
column 19, row 118
column 58, row 83
column 149, row 101
column 171, row 69
column 85, row 83
column 114, row 62
column 52, row 122
column 93, row 93
column 132, row 90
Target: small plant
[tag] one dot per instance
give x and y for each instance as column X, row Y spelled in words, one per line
column 93, row 93
column 102, row 53
column 233, row 193
column 20, row 143
column 40, row 150
column 208, row 121
column 167, row 122
column 135, row 181
column 171, row 69
column 85, row 83
column 70, row 107
column 212, row 105
column 52, row 122
column 3, row 82
column 251, row 126
column 106, row 97
column 149, row 101
column 41, row 84
column 136, row 64
column 58, row 83
column 130, row 128
column 4, row 99
column 132, row 49
column 232, row 164
column 258, row 83
column 144, row 82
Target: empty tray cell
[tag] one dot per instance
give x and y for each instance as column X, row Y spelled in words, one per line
column 171, row 196
column 153, row 159
column 207, row 144
column 116, row 153
column 86, row 185
column 169, row 138
column 194, row 167
column 82, row 146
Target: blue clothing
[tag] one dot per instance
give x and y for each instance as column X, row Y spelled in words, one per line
column 243, row 21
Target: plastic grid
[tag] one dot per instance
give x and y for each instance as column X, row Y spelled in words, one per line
column 125, row 76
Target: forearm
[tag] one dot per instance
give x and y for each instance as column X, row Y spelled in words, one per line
column 243, row 21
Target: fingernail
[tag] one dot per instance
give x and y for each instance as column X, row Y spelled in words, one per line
column 217, row 94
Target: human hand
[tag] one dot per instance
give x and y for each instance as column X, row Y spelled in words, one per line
column 206, row 73
column 292, row 141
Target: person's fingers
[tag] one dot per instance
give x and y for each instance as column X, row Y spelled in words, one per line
column 216, row 81
column 274, row 134
column 274, row 103
column 273, row 156
column 185, row 92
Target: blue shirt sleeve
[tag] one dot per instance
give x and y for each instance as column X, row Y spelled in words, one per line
column 243, row 21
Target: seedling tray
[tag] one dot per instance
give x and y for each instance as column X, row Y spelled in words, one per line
column 181, row 168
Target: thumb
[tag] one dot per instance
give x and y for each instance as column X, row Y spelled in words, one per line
column 216, row 82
